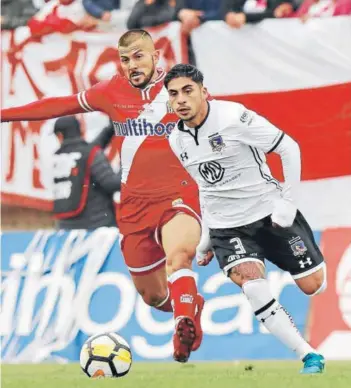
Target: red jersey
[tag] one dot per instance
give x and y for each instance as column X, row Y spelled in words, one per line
column 155, row 185
column 143, row 120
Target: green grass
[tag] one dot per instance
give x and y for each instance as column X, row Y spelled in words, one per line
column 171, row 375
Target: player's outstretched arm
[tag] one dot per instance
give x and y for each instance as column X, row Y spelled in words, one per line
column 44, row 109
column 48, row 108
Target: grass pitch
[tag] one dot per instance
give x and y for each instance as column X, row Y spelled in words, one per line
column 242, row 374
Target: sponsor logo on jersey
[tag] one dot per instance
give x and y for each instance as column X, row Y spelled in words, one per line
column 142, row 127
column 212, row 172
column 216, row 142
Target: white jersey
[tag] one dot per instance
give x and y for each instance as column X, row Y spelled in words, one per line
column 226, row 157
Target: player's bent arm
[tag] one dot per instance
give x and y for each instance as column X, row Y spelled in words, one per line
column 289, row 152
column 257, row 132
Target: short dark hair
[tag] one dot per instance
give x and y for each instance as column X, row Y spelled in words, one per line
column 132, row 35
column 68, row 127
column 184, row 70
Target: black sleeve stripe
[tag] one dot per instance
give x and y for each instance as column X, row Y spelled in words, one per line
column 277, row 143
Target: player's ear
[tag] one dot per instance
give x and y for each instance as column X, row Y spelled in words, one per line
column 156, row 56
column 205, row 92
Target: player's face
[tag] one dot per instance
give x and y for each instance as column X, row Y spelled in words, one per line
column 187, row 98
column 138, row 62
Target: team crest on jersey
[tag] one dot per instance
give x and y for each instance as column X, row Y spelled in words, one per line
column 298, row 246
column 216, row 142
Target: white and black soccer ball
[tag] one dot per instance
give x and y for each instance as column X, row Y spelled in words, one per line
column 106, row 355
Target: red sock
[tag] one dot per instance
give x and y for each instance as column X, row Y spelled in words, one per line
column 167, row 304
column 184, row 292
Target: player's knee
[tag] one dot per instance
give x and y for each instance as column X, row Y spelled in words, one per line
column 313, row 284
column 247, row 271
column 180, row 259
column 153, row 299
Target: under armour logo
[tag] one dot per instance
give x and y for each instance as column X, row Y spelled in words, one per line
column 304, row 263
column 184, row 156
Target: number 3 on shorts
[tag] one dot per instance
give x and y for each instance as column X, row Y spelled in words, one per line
column 238, row 246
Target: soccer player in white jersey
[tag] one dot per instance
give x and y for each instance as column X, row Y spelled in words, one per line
column 249, row 214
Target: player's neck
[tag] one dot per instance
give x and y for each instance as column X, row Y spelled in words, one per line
column 154, row 77
column 200, row 118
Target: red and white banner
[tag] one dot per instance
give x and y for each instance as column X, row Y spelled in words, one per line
column 297, row 75
column 57, row 65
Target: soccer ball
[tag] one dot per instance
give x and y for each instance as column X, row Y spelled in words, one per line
column 106, row 355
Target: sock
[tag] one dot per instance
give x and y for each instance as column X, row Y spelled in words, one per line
column 184, row 293
column 166, row 304
column 274, row 317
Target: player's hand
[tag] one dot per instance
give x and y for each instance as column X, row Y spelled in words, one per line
column 204, row 252
column 284, row 213
column 204, row 258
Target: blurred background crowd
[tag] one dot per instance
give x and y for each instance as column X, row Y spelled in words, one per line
column 47, row 16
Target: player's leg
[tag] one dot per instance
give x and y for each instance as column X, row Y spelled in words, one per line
column 180, row 236
column 312, row 279
column 294, row 250
column 242, row 259
column 153, row 288
column 146, row 263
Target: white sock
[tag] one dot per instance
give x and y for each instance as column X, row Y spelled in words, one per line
column 274, row 317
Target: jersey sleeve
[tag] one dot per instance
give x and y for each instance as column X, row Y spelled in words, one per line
column 254, row 130
column 94, row 99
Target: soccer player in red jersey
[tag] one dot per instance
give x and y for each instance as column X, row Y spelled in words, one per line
column 159, row 214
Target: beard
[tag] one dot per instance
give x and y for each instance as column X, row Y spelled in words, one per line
column 191, row 118
column 146, row 80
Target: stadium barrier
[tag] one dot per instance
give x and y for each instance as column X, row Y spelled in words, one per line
column 60, row 287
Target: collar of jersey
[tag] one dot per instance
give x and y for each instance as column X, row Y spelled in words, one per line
column 181, row 125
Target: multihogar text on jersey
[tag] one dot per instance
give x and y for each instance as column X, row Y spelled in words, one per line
column 142, row 127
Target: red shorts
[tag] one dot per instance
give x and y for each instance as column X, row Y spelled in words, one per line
column 140, row 222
